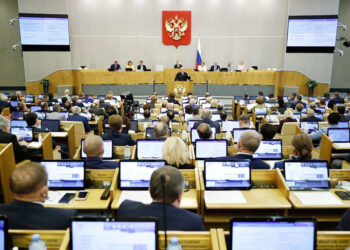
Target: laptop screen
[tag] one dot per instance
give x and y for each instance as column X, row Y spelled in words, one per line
column 309, row 126
column 18, row 123
column 339, row 134
column 35, row 108
column 17, row 114
column 272, row 235
column 229, row 125
column 297, row 116
column 110, row 234
column 237, row 132
column 3, row 233
column 343, row 124
column 150, row 149
column 215, row 117
column 319, row 116
column 190, row 124
column 306, row 175
column 29, row 99
column 14, row 103
column 134, row 125
column 227, row 174
column 107, row 146
column 138, row 116
column 195, row 136
column 41, row 115
column 137, row 174
column 269, row 150
column 51, row 125
column 65, row 174
column 22, row 133
column 260, row 111
column 210, row 148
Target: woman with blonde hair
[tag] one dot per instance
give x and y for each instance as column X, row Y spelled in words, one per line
column 289, row 118
column 176, row 154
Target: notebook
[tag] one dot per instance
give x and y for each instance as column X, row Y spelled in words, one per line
column 343, row 124
column 210, row 149
column 297, row 116
column 269, row 150
column 190, row 124
column 4, row 237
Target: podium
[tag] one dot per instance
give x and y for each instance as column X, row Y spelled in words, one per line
column 179, row 88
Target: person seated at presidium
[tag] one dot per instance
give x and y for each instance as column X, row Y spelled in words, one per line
column 118, row 138
column 115, row 66
column 215, row 67
column 177, row 65
column 247, row 145
column 176, row 218
column 93, row 148
column 182, row 76
column 129, row 66
column 76, row 117
column 202, row 67
column 28, row 183
column 289, row 118
column 176, row 154
column 141, row 67
column 206, row 118
column 241, row 66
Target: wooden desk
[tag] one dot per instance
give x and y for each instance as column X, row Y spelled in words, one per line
column 341, row 146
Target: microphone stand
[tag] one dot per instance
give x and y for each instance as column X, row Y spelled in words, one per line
column 207, row 85
column 154, row 85
column 162, row 181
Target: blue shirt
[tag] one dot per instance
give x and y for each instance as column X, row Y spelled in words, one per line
column 316, row 136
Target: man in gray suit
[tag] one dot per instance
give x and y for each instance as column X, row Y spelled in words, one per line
column 55, row 115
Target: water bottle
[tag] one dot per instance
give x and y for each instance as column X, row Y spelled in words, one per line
column 40, row 138
column 127, row 152
column 174, row 244
column 37, row 243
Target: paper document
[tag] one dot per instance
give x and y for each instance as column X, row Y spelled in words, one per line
column 224, row 197
column 34, row 144
column 59, row 134
column 141, row 196
column 317, row 198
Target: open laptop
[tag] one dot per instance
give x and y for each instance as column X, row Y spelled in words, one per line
column 215, row 117
column 97, row 233
column 18, row 123
column 4, row 236
column 134, row 125
column 35, row 108
column 29, row 99
column 51, row 125
column 306, row 175
column 195, row 136
column 190, row 124
column 339, row 134
column 319, row 116
column 309, row 127
column 107, row 146
column 229, row 125
column 14, row 103
column 149, row 149
column 260, row 111
column 41, row 115
column 227, row 175
column 297, row 116
column 237, row 132
column 22, row 133
column 17, row 115
column 273, row 233
column 269, row 150
column 343, row 124
column 205, row 149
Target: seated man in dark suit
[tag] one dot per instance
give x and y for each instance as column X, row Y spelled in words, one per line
column 118, row 138
column 176, row 218
column 5, row 104
column 206, row 118
column 76, row 117
column 161, row 130
column 248, row 143
column 215, row 67
column 172, row 100
column 182, row 76
column 310, row 117
column 336, row 100
column 115, row 66
column 204, row 131
column 141, row 67
column 75, row 102
column 177, row 65
column 298, row 99
column 267, row 131
column 341, row 112
column 20, row 149
column 93, row 148
column 28, row 184
column 344, row 224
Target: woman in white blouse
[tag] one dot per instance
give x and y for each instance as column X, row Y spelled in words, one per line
column 202, row 67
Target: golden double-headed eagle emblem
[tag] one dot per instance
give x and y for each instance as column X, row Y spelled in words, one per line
column 176, row 27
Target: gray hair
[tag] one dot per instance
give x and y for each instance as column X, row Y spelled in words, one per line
column 206, row 114
column 4, row 98
column 76, row 110
column 250, row 140
column 56, row 108
column 161, row 129
column 3, row 122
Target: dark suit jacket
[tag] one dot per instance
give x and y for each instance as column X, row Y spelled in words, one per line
column 279, row 128
column 296, row 103
column 29, row 215
column 19, row 151
column 143, row 67
column 344, row 118
column 334, row 101
column 79, row 104
column 98, row 112
column 112, row 68
column 5, row 105
column 212, row 68
column 344, row 224
column 79, row 118
column 254, row 163
column 310, row 119
column 177, row 66
column 98, row 163
column 177, row 219
column 182, row 77
column 119, row 139
column 211, row 123
column 175, row 102
column 184, row 166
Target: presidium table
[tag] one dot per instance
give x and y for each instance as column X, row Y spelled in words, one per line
column 78, row 79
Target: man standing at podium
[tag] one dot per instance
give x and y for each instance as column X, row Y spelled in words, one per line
column 182, row 76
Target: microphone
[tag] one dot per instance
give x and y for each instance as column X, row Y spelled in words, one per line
column 162, row 182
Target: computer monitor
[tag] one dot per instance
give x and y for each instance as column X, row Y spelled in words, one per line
column 225, row 175
column 237, row 132
column 22, row 133
column 98, row 233
column 190, row 124
column 17, row 115
column 206, row 105
column 339, row 134
column 272, row 233
column 136, row 175
column 14, row 103
column 210, row 149
column 41, row 115
column 51, row 125
column 29, row 99
column 195, row 136
column 260, row 111
column 343, row 124
column 154, row 122
column 35, row 108
column 229, row 125
column 306, row 175
column 18, row 123
column 65, row 175
column 319, row 116
column 297, row 116
column 309, row 127
column 87, row 115
column 269, row 150
column 4, row 237
column 134, row 125
column 107, row 146
column 149, row 149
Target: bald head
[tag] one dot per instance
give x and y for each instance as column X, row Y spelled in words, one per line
column 249, row 142
column 161, row 130
column 310, row 113
column 165, row 119
column 204, row 131
column 206, row 114
column 93, row 146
